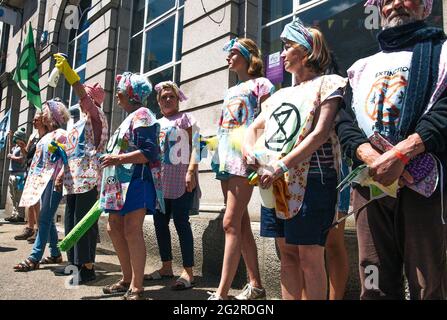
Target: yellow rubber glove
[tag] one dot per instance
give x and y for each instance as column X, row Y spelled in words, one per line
column 64, row 67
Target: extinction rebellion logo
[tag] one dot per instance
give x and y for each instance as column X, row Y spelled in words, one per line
column 283, row 127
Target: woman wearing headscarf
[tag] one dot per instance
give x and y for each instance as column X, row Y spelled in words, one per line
column 241, row 106
column 180, row 183
column 30, row 233
column 131, row 182
column 44, row 183
column 303, row 155
column 87, row 139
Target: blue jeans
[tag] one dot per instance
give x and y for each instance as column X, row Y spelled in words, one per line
column 47, row 228
column 179, row 209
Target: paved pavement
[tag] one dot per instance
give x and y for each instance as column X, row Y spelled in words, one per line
column 42, row 284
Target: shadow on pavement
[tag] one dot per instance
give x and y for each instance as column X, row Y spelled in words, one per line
column 7, row 249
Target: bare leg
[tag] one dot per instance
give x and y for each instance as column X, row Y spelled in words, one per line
column 166, row 268
column 115, row 228
column 337, row 262
column 133, row 232
column 291, row 273
column 238, row 196
column 188, row 274
column 314, row 271
column 250, row 252
column 31, row 217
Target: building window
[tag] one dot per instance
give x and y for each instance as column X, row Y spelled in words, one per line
column 156, row 8
column 77, row 51
column 156, row 41
column 341, row 21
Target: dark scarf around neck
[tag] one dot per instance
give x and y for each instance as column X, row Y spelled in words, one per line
column 427, row 45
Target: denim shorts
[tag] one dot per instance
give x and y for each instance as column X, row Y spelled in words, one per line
column 309, row 226
column 140, row 195
column 224, row 176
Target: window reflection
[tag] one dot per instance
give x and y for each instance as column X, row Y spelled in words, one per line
column 136, row 44
column 159, row 36
column 159, row 45
column 77, row 50
column 274, row 9
column 179, row 36
column 164, row 75
column 138, row 16
column 81, row 50
column 271, row 43
column 157, row 7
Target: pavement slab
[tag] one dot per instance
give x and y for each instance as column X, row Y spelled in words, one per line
column 42, row 284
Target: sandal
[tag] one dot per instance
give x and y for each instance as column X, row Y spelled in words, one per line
column 26, row 265
column 118, row 287
column 130, row 295
column 182, row 284
column 156, row 275
column 51, row 260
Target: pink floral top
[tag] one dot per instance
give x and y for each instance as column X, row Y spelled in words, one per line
column 175, row 153
column 83, row 172
column 42, row 169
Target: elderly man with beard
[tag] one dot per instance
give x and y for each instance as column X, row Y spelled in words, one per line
column 395, row 121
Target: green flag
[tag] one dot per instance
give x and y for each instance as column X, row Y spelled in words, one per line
column 27, row 73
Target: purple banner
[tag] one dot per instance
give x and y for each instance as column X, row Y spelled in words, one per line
column 275, row 68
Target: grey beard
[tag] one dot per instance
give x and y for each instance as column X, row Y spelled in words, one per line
column 397, row 21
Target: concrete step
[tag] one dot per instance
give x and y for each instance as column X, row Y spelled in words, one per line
column 209, row 242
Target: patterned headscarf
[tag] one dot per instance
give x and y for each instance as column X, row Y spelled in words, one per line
column 296, row 31
column 428, row 5
column 168, row 84
column 57, row 110
column 234, row 44
column 135, row 86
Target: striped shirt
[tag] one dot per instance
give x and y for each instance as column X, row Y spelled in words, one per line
column 323, row 156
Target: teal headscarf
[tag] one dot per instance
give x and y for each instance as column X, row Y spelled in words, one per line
column 296, row 31
column 234, row 44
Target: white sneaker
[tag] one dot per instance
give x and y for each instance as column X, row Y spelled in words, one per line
column 251, row 293
column 214, row 296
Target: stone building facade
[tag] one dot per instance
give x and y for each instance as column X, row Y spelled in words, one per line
column 180, row 40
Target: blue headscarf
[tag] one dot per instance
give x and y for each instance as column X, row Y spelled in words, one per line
column 295, row 31
column 135, row 86
column 234, row 44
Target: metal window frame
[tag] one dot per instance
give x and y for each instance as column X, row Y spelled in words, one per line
column 174, row 12
column 82, row 66
column 297, row 8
